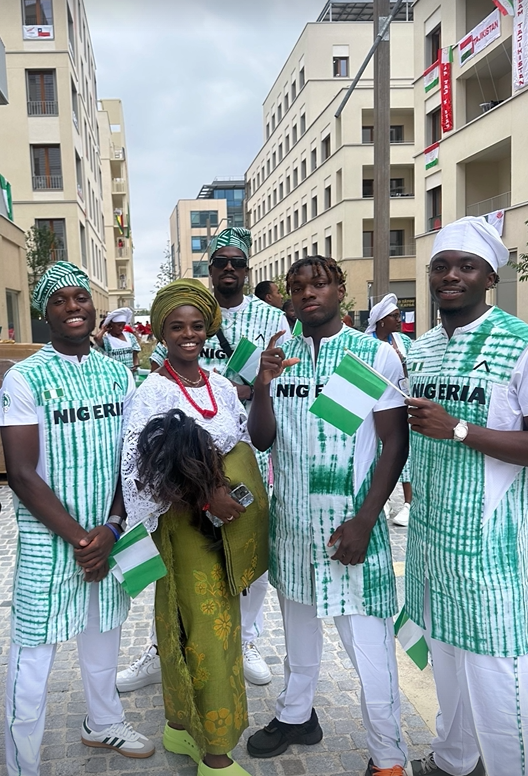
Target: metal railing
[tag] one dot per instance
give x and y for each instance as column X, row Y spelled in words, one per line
column 59, row 254
column 434, row 223
column 118, row 186
column 122, row 253
column 43, row 108
column 500, row 202
column 119, row 154
column 47, row 182
column 394, row 250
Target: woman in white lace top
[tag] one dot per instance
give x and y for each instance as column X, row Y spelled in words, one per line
column 197, row 615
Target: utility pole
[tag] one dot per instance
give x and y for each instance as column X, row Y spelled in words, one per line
column 381, row 240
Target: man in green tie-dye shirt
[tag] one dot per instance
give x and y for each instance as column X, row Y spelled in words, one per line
column 467, row 553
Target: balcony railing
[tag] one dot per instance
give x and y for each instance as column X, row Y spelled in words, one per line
column 47, row 182
column 59, row 254
column 122, row 253
column 394, row 250
column 119, row 154
column 434, row 223
column 118, row 186
column 500, row 202
column 43, row 108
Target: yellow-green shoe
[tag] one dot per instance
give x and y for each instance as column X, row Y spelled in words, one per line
column 180, row 742
column 232, row 770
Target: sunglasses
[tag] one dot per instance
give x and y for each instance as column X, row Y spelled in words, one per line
column 221, row 262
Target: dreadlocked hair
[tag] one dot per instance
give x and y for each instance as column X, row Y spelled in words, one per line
column 321, row 265
column 179, row 461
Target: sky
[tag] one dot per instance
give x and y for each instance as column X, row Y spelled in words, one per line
column 192, row 77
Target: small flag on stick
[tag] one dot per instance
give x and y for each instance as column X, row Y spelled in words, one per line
column 350, row 394
column 412, row 639
column 297, row 329
column 135, row 562
column 245, row 360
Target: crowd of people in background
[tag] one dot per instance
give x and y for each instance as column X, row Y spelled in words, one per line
column 241, row 485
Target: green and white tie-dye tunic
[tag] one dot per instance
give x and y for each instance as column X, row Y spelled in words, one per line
column 78, row 408
column 321, row 479
column 468, row 533
column 123, row 353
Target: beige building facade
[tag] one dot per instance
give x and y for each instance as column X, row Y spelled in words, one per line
column 49, row 137
column 480, row 167
column 310, row 186
column 192, row 224
column 116, row 204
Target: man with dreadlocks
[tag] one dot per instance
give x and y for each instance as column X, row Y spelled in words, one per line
column 329, row 544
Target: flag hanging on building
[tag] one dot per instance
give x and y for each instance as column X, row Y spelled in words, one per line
column 350, row 394
column 245, row 361
column 431, row 77
column 446, row 58
column 506, row 7
column 465, row 48
column 520, row 45
column 431, row 154
column 135, row 562
column 412, row 639
column 5, row 188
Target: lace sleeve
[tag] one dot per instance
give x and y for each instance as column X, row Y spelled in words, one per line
column 139, row 503
column 239, row 410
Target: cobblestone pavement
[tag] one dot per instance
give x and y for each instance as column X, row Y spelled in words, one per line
column 342, row 750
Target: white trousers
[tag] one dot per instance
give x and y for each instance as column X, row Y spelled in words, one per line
column 369, row 642
column 251, row 611
column 483, row 704
column 26, row 689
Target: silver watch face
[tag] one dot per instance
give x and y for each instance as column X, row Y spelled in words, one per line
column 460, row 432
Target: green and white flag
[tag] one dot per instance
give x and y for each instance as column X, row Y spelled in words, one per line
column 135, row 562
column 52, row 393
column 245, row 361
column 350, row 394
column 506, row 7
column 431, row 77
column 297, row 329
column 5, row 188
column 432, row 154
column 412, row 639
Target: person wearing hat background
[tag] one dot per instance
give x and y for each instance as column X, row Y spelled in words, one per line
column 384, row 323
column 467, row 561
column 243, row 315
column 61, row 430
column 115, row 341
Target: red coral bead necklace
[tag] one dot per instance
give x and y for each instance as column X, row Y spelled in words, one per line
column 203, row 412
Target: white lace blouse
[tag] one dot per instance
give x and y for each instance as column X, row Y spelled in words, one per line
column 157, row 395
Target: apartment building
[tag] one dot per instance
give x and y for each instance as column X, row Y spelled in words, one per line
column 310, row 186
column 50, row 129
column 193, row 222
column 471, row 132
column 116, row 204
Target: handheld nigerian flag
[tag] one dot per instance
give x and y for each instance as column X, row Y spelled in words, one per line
column 135, row 561
column 297, row 328
column 350, row 394
column 412, row 639
column 245, row 361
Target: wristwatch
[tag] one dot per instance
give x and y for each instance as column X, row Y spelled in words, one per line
column 117, row 520
column 460, row 431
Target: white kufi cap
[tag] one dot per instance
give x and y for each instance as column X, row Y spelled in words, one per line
column 388, row 305
column 473, row 234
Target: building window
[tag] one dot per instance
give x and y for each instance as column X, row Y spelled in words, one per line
column 41, row 93
column 433, row 43
column 303, row 169
column 295, row 177
column 315, row 249
column 368, row 187
column 396, row 247
column 328, row 197
column 275, row 233
column 288, row 184
column 75, row 107
column 367, row 134
column 434, row 207
column 314, row 207
column 296, row 256
column 304, row 213
column 340, row 67
column 313, row 157
column 46, row 164
column 264, row 240
column 82, row 231
column 325, row 148
column 281, row 191
column 274, row 197
column 305, row 251
column 397, row 187
column 287, row 143
column 288, row 224
column 269, row 202
column 37, row 12
column 281, row 228
column 268, row 166
column 58, row 227
column 328, row 246
column 396, row 134
column 199, row 218
column 286, row 102
column 272, row 122
column 301, row 78
column 269, row 236
column 198, row 244
column 303, row 123
column 273, row 160
column 267, row 130
column 368, row 245
column 293, row 90
column 294, row 134
column 295, row 219
column 279, row 112
column 200, row 269
column 280, row 152
column 434, row 126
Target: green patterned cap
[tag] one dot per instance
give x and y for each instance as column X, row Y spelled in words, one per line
column 236, row 237
column 63, row 274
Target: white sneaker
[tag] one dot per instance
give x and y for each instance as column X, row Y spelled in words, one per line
column 402, row 518
column 121, row 737
column 143, row 671
column 256, row 670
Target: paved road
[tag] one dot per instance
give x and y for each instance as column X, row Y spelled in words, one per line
column 341, row 752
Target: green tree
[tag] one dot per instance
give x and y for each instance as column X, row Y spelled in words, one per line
column 521, row 265
column 167, row 271
column 41, row 244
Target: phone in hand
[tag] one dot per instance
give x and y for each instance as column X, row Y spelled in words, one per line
column 242, row 495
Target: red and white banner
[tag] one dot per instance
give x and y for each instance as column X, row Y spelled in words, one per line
column 36, row 32
column 446, row 93
column 520, row 45
column 479, row 37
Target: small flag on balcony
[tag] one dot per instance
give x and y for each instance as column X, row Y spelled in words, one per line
column 297, row 329
column 5, row 188
column 466, row 48
column 431, row 77
column 245, row 360
column 506, row 7
column 350, row 394
column 431, row 155
column 412, row 639
column 135, row 562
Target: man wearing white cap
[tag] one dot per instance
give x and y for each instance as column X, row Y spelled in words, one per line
column 467, row 554
column 115, row 341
